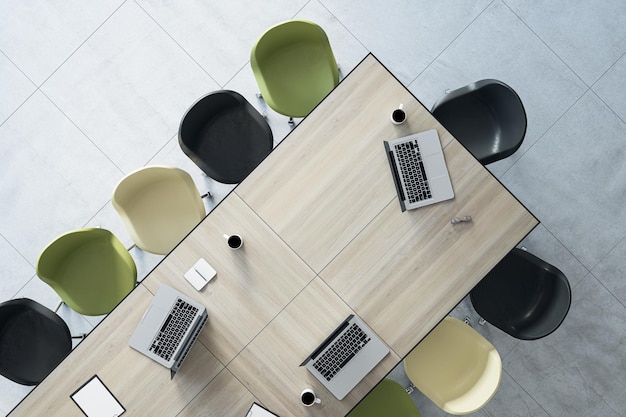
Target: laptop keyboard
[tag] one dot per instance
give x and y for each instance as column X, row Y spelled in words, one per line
column 173, row 329
column 341, row 351
column 412, row 171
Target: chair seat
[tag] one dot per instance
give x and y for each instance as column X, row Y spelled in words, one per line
column 455, row 367
column 387, row 399
column 294, row 67
column 89, row 269
column 523, row 296
column 487, row 117
column 33, row 341
column 225, row 136
column 159, row 205
column 297, row 78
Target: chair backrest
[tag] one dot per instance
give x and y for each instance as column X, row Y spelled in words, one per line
column 90, row 269
column 294, row 66
column 387, row 399
column 224, row 135
column 487, row 117
column 455, row 367
column 33, row 341
column 523, row 296
column 159, row 206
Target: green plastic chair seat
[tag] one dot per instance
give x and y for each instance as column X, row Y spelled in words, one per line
column 90, row 269
column 387, row 399
column 294, row 67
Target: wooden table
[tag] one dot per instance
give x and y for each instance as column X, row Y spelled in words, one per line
column 324, row 237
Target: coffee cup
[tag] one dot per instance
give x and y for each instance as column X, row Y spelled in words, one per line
column 398, row 116
column 309, row 398
column 234, row 241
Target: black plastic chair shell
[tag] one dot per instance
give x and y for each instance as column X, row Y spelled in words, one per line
column 523, row 296
column 487, row 117
column 33, row 341
column 225, row 136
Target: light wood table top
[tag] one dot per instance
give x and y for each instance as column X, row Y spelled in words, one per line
column 324, row 237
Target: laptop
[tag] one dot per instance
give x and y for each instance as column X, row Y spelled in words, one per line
column 419, row 170
column 169, row 328
column 346, row 356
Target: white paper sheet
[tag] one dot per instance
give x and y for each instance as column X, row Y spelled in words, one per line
column 95, row 400
column 258, row 411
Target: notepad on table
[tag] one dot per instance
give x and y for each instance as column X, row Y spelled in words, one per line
column 95, row 400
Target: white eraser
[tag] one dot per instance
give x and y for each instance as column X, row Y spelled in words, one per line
column 200, row 274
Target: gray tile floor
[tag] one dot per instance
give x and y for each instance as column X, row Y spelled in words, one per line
column 91, row 91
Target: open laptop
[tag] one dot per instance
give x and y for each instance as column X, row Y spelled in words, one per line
column 346, row 356
column 419, row 170
column 169, row 328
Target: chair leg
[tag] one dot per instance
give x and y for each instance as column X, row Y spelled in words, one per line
column 207, row 194
column 482, row 321
column 58, row 306
column 467, row 321
column 259, row 95
column 291, row 121
column 409, row 390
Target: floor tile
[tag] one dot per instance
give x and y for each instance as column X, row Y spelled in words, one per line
column 577, row 190
column 512, row 401
column 612, row 81
column 52, row 177
column 541, row 243
column 610, row 272
column 127, row 87
column 222, row 43
column 496, row 45
column 348, row 51
column 54, row 29
column 579, row 369
column 12, row 394
column 39, row 291
column 15, row 87
column 16, row 271
column 406, row 36
column 587, row 35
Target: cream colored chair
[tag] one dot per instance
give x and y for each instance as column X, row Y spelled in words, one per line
column 159, row 206
column 455, row 367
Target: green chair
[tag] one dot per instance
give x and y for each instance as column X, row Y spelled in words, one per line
column 387, row 399
column 294, row 67
column 90, row 269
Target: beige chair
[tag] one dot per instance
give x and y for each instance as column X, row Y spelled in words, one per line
column 455, row 367
column 159, row 206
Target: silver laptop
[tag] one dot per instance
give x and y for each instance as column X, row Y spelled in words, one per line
column 419, row 170
column 346, row 356
column 169, row 328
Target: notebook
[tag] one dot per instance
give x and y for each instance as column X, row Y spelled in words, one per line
column 350, row 352
column 169, row 328
column 258, row 411
column 419, row 170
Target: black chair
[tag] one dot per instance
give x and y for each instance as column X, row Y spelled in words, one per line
column 33, row 341
column 487, row 117
column 225, row 136
column 523, row 296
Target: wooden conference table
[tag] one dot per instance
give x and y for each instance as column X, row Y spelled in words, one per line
column 324, row 237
